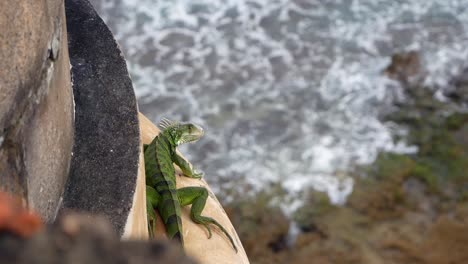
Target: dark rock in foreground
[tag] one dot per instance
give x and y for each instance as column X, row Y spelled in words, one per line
column 85, row 239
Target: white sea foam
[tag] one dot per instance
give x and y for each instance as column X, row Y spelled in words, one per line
column 288, row 91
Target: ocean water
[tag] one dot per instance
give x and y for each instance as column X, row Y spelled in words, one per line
column 287, row 91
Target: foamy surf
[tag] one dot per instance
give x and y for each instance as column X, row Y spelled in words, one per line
column 287, row 91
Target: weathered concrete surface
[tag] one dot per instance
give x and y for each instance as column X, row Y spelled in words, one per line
column 36, row 108
column 137, row 222
column 104, row 169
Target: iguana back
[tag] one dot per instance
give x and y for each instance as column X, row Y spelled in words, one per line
column 160, row 174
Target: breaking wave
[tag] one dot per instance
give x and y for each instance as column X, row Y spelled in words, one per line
column 287, row 90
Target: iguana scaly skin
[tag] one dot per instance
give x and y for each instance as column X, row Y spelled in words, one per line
column 161, row 192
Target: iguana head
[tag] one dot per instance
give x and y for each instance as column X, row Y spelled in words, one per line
column 181, row 132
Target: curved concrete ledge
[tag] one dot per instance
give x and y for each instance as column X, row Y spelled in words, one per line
column 216, row 250
column 104, row 168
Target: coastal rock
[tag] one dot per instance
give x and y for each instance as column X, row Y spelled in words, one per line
column 459, row 91
column 403, row 209
column 405, row 67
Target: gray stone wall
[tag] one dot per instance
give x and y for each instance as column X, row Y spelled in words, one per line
column 36, row 106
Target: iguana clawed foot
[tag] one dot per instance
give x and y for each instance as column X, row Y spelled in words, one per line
column 209, row 230
column 198, row 174
column 197, row 196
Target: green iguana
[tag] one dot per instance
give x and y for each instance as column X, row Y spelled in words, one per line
column 161, row 193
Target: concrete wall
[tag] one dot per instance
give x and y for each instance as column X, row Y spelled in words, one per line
column 36, row 106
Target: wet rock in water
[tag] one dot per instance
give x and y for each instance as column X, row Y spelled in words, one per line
column 459, row 88
column 405, row 67
column 77, row 238
column 263, row 228
column 315, row 205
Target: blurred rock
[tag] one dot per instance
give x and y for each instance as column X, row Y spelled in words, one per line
column 16, row 220
column 459, row 92
column 262, row 227
column 406, row 67
column 77, row 238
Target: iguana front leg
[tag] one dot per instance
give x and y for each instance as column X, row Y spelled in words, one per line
column 186, row 167
column 196, row 196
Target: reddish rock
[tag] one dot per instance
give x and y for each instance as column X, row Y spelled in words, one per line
column 15, row 219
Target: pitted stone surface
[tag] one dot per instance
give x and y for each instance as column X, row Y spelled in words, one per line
column 104, row 167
